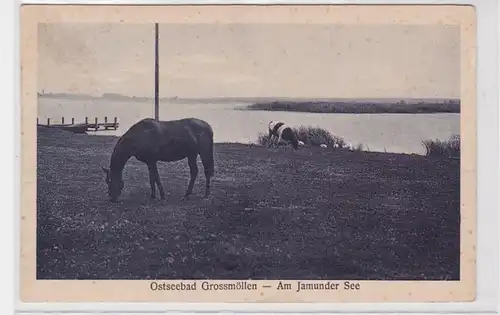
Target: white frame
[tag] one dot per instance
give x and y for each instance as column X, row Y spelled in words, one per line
column 488, row 189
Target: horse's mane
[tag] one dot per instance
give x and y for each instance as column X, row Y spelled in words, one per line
column 118, row 144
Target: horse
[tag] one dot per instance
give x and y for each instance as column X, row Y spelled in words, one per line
column 150, row 141
column 280, row 130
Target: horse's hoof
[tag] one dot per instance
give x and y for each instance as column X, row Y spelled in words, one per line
column 153, row 197
column 162, row 198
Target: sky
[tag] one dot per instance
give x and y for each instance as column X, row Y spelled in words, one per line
column 252, row 60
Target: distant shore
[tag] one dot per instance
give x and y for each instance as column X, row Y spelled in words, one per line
column 360, row 107
column 306, row 105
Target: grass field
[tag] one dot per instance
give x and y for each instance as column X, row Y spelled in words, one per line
column 360, row 107
column 273, row 214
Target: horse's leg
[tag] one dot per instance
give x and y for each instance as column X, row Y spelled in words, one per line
column 206, row 151
column 193, row 169
column 279, row 141
column 269, row 137
column 207, row 184
column 273, row 142
column 158, row 182
column 207, row 161
column 152, row 179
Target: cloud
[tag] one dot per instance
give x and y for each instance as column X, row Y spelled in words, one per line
column 199, row 59
column 116, row 79
column 214, row 77
column 204, row 68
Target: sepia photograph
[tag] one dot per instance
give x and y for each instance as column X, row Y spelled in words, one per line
column 311, row 154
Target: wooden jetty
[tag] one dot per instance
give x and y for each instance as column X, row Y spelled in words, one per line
column 84, row 127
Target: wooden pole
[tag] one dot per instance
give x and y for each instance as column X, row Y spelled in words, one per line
column 62, row 120
column 157, row 77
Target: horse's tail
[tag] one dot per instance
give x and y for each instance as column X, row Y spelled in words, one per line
column 207, row 153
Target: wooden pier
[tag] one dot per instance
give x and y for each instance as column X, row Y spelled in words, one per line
column 85, row 126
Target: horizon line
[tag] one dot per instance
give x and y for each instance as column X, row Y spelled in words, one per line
column 118, row 95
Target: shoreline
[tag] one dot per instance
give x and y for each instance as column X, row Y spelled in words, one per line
column 42, row 129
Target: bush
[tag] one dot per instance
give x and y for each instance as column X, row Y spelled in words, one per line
column 311, row 136
column 445, row 148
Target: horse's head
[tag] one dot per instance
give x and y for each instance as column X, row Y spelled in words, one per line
column 115, row 185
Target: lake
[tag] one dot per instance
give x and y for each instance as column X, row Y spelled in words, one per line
column 398, row 133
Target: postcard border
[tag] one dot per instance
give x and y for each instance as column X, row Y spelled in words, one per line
column 468, row 172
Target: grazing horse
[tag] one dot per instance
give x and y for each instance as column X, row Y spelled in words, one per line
column 283, row 132
column 150, row 141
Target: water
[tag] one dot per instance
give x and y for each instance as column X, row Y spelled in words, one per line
column 398, row 133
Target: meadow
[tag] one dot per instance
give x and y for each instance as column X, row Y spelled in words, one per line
column 273, row 214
